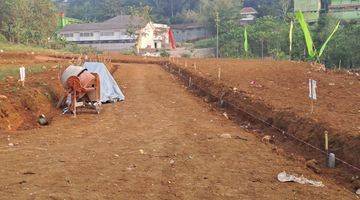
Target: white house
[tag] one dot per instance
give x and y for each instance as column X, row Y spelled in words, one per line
column 155, row 36
column 112, row 34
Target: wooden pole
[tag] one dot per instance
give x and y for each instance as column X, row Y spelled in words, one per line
column 312, row 106
column 326, row 142
column 219, row 73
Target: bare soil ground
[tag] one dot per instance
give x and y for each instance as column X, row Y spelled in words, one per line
column 277, row 92
column 161, row 143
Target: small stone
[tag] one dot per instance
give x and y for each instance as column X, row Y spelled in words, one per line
column 3, row 97
column 141, row 151
column 1, row 51
column 225, row 136
column 172, row 161
column 226, row 115
column 11, row 144
column 358, row 191
column 331, row 84
column 116, row 155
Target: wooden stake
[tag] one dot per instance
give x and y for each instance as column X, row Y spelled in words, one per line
column 312, row 106
column 326, row 142
column 219, row 73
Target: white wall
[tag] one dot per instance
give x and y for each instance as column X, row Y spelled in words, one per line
column 118, row 35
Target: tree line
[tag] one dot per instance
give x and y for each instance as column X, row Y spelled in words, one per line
column 169, row 11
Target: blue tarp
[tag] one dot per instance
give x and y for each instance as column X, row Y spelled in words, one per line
column 109, row 89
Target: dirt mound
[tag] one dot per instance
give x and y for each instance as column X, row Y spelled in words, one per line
column 21, row 106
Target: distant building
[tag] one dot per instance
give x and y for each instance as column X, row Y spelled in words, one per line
column 189, row 32
column 112, row 35
column 341, row 9
column 154, row 37
column 248, row 15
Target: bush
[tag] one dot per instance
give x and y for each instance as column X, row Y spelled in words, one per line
column 343, row 49
column 74, row 48
column 164, row 53
column 206, row 43
column 2, row 39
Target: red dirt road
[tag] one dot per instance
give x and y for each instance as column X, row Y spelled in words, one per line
column 161, row 143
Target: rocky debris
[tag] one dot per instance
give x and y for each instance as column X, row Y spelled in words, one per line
column 3, row 97
column 358, row 191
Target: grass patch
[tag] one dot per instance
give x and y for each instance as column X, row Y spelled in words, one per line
column 22, row 48
column 206, row 43
column 13, row 70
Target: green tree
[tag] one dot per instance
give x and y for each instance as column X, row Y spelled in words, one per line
column 27, row 21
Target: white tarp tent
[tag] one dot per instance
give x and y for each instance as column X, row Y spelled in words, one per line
column 109, row 89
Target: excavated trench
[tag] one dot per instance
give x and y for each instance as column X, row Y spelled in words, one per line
column 293, row 134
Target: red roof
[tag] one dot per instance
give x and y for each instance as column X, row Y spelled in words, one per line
column 248, row 10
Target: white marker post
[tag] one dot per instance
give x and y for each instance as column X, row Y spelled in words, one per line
column 312, row 93
column 22, row 76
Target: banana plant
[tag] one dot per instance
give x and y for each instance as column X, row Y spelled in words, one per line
column 311, row 49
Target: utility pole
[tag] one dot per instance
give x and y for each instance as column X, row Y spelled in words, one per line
column 217, row 20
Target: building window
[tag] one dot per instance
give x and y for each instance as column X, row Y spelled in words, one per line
column 67, row 35
column 86, row 34
column 107, row 34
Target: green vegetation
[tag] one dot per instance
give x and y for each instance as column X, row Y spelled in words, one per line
column 27, row 21
column 266, row 41
column 22, row 47
column 205, row 43
column 164, row 53
column 13, row 70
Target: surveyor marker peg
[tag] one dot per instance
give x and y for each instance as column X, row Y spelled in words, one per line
column 22, row 76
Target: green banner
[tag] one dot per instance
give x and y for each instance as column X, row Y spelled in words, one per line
column 328, row 39
column 246, row 44
column 307, row 35
column 291, row 35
